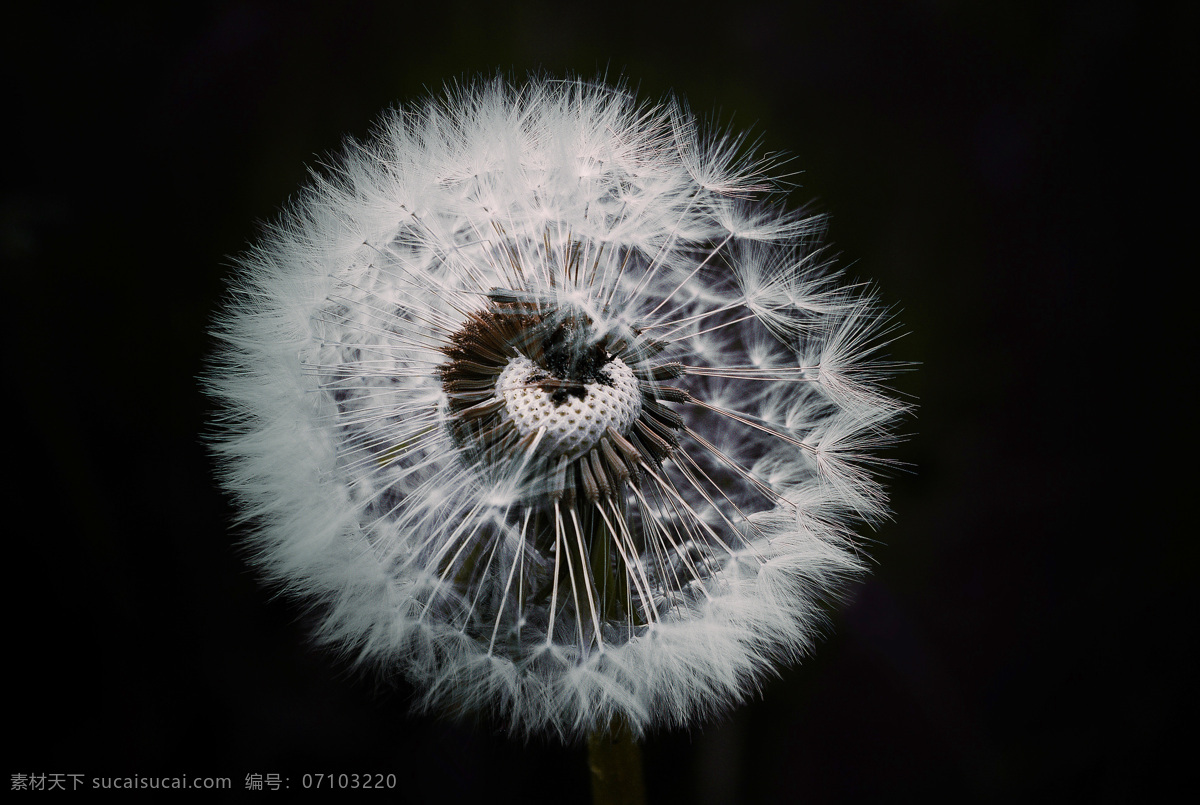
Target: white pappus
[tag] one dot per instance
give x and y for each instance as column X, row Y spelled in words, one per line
column 543, row 400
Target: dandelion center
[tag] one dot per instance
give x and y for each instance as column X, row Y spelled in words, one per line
column 541, row 390
column 574, row 418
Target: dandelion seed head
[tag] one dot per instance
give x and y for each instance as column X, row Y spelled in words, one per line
column 546, row 406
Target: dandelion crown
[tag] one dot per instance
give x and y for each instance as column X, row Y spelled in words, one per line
column 545, row 405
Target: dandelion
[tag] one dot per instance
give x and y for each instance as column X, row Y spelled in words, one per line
column 542, row 401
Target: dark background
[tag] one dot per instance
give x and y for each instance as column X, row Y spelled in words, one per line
column 1007, row 172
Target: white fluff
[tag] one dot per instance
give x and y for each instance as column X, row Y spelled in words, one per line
column 496, row 578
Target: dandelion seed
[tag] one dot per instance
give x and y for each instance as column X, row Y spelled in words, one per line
column 546, row 406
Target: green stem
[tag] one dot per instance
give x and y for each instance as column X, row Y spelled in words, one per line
column 616, row 763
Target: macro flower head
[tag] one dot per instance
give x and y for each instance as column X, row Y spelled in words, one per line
column 545, row 402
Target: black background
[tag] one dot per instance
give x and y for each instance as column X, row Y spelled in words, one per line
column 1009, row 174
